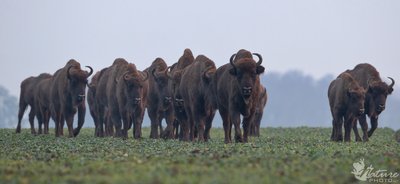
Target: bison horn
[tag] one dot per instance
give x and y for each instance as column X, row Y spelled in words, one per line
column 231, row 61
column 207, row 72
column 259, row 58
column 392, row 84
column 68, row 74
column 91, row 70
column 153, row 73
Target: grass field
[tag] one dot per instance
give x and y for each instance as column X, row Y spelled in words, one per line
column 280, row 155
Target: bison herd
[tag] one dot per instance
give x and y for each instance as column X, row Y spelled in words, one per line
column 186, row 95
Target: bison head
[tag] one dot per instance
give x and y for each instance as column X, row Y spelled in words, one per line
column 246, row 71
column 161, row 78
column 134, row 83
column 174, row 83
column 378, row 92
column 77, row 83
column 357, row 100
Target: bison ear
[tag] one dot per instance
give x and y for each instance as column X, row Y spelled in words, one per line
column 260, row 69
column 390, row 90
column 233, row 71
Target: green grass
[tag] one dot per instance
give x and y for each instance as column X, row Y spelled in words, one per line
column 280, row 155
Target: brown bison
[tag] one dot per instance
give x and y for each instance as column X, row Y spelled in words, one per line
column 159, row 99
column 197, row 90
column 237, row 88
column 262, row 101
column 91, row 94
column 377, row 91
column 127, row 94
column 27, row 97
column 104, row 126
column 175, row 76
column 346, row 101
column 67, row 96
column 42, row 103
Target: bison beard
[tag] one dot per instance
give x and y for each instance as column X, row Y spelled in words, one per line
column 346, row 100
column 237, row 88
column 68, row 96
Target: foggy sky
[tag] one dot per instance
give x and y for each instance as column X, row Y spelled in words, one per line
column 313, row 36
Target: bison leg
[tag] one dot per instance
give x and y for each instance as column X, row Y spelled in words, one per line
column 70, row 120
column 333, row 135
column 168, row 133
column 81, row 119
column 209, row 120
column 126, row 123
column 46, row 118
column 154, row 118
column 338, row 124
column 31, row 120
column 102, row 117
column 348, row 125
column 116, row 121
column 61, row 125
column 40, row 119
column 227, row 125
column 374, row 125
column 235, row 119
column 364, row 126
column 355, row 130
column 137, row 122
column 247, row 123
column 22, row 108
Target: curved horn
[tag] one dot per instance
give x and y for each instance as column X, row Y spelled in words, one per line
column 69, row 75
column 91, row 70
column 206, row 73
column 231, row 61
column 392, row 84
column 153, row 73
column 259, row 58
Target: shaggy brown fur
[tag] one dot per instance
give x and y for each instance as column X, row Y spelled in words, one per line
column 237, row 88
column 27, row 97
column 159, row 99
column 346, row 100
column 377, row 91
column 68, row 96
column 196, row 88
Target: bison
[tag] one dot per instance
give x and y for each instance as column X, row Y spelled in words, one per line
column 196, row 87
column 27, row 97
column 42, row 103
column 127, row 94
column 91, row 100
column 346, row 101
column 175, row 76
column 377, row 91
column 262, row 101
column 67, row 96
column 237, row 88
column 159, row 99
column 104, row 126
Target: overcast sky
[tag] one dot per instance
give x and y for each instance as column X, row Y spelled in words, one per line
column 313, row 36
